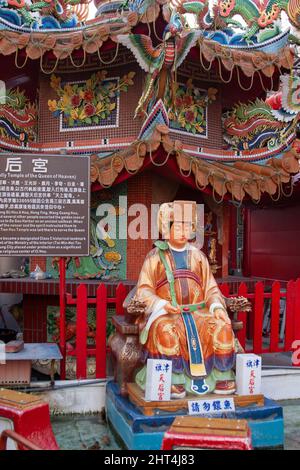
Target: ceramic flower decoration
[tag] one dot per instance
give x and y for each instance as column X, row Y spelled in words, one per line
column 189, row 112
column 89, row 102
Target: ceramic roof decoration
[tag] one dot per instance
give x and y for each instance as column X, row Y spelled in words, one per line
column 18, row 117
column 168, row 49
column 40, row 15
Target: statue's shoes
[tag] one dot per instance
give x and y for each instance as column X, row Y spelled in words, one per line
column 178, row 391
column 225, row 387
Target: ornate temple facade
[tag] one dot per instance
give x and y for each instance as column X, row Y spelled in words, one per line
column 172, row 100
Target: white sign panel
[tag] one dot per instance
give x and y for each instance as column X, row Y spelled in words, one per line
column 248, row 374
column 158, row 380
column 216, row 406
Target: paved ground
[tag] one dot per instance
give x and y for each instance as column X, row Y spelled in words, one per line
column 91, row 432
column 291, row 410
column 82, row 432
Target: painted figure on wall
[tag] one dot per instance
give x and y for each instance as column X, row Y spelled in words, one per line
column 186, row 319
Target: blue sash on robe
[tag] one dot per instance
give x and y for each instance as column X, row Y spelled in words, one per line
column 197, row 365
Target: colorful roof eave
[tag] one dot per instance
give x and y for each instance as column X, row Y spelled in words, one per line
column 117, row 144
column 266, row 58
column 62, row 42
column 236, row 181
column 227, row 174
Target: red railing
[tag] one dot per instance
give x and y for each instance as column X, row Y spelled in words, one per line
column 20, row 440
column 99, row 350
column 275, row 305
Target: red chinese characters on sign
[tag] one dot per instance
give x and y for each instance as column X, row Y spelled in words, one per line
column 251, row 382
column 161, row 386
column 158, row 380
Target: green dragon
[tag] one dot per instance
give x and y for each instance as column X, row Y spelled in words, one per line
column 255, row 125
column 32, row 11
column 260, row 16
column 256, row 14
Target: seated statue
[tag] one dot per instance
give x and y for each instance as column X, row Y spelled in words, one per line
column 186, row 319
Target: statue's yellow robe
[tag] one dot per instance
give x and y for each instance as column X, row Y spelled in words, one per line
column 163, row 335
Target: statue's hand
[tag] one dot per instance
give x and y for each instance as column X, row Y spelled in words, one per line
column 170, row 309
column 221, row 314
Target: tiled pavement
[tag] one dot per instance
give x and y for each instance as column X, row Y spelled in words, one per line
column 82, row 432
column 91, row 432
column 291, row 410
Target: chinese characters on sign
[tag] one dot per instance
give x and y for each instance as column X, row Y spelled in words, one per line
column 248, row 374
column 158, row 380
column 215, row 407
column 44, row 206
column 14, row 165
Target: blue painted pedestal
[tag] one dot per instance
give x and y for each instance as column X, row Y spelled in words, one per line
column 140, row 432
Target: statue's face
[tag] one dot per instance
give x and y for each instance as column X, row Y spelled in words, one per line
column 180, row 232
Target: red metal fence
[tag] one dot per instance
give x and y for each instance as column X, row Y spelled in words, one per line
column 277, row 306
column 101, row 303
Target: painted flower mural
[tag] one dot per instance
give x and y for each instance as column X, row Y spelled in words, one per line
column 88, row 103
column 189, row 111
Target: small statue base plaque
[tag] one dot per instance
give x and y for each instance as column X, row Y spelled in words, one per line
column 150, row 408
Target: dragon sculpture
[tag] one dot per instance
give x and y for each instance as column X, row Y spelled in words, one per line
column 140, row 6
column 103, row 262
column 161, row 61
column 201, row 8
column 257, row 19
column 18, row 117
column 41, row 14
column 290, row 94
column 258, row 124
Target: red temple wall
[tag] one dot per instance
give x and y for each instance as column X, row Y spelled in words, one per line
column 214, row 138
column 142, row 189
column 26, row 78
column 272, row 243
column 49, row 125
column 149, row 188
column 139, row 191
